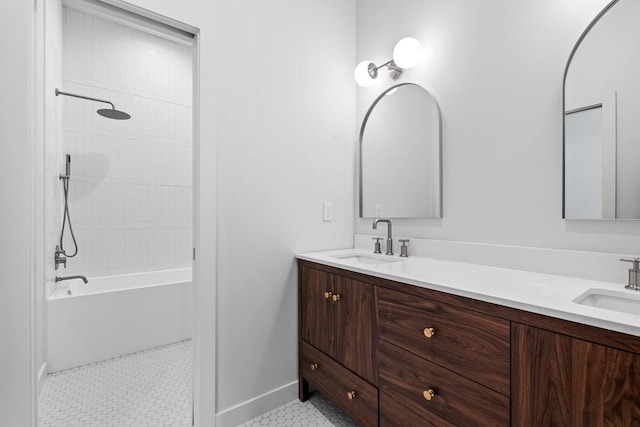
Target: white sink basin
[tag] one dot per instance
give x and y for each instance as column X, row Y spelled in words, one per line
column 366, row 259
column 611, row 300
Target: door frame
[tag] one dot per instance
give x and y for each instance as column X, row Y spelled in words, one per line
column 203, row 203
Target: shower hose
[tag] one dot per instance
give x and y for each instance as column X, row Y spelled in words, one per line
column 66, row 218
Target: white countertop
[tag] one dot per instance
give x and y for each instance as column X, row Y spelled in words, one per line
column 545, row 294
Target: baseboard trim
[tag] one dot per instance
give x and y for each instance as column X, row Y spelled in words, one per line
column 252, row 408
column 42, row 376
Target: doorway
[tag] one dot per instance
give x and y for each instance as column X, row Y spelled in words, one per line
column 124, row 191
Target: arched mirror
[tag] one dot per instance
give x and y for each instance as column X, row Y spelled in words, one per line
column 602, row 118
column 400, row 155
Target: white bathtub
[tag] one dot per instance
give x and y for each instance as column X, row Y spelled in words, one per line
column 116, row 315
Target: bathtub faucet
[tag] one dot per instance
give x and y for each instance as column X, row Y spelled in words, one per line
column 60, row 279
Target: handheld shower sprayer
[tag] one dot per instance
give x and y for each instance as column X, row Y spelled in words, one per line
column 67, row 168
column 61, row 255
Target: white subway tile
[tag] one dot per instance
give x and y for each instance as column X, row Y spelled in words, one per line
column 131, row 180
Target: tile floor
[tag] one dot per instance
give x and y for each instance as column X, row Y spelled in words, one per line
column 152, row 388
column 315, row 412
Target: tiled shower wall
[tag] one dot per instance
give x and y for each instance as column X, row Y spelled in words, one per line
column 130, row 188
column 53, row 139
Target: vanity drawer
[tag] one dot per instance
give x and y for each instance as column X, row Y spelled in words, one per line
column 355, row 396
column 394, row 414
column 472, row 344
column 457, row 401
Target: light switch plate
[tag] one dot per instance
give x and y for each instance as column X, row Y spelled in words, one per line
column 327, row 211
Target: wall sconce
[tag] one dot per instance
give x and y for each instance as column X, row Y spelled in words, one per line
column 406, row 54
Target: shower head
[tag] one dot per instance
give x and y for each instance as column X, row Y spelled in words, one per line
column 110, row 113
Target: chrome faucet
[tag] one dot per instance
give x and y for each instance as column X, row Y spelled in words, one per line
column 60, row 279
column 389, row 239
column 634, row 273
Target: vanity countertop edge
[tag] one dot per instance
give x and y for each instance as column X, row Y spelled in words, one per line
column 545, row 294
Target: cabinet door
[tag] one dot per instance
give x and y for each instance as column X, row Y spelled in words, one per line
column 317, row 311
column 356, row 327
column 540, row 378
column 562, row 381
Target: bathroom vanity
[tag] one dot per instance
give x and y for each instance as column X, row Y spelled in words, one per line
column 405, row 343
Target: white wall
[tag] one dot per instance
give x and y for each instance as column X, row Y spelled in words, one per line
column 496, row 69
column 51, row 146
column 130, row 188
column 286, row 145
column 16, row 179
column 52, row 137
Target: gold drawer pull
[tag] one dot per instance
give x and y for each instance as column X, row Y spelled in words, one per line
column 429, row 332
column 328, row 295
column 351, row 395
column 429, row 394
column 336, row 297
column 314, row 366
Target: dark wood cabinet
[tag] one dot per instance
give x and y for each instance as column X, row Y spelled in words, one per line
column 377, row 347
column 338, row 329
column 339, row 319
column 558, row 380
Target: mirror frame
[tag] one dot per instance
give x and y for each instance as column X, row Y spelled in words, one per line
column 360, row 140
column 564, row 101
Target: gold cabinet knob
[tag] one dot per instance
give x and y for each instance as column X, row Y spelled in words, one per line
column 429, row 394
column 429, row 332
column 351, row 395
column 328, row 295
column 336, row 297
column 314, row 366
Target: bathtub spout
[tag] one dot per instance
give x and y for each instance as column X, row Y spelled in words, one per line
column 60, row 279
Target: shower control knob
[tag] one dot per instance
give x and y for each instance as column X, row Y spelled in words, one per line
column 59, row 258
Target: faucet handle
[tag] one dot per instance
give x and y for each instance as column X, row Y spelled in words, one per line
column 634, row 261
column 403, row 248
column 377, row 245
column 634, row 280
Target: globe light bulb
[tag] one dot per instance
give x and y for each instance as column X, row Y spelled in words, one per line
column 361, row 74
column 407, row 52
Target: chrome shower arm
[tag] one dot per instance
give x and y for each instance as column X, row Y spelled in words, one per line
column 59, row 92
